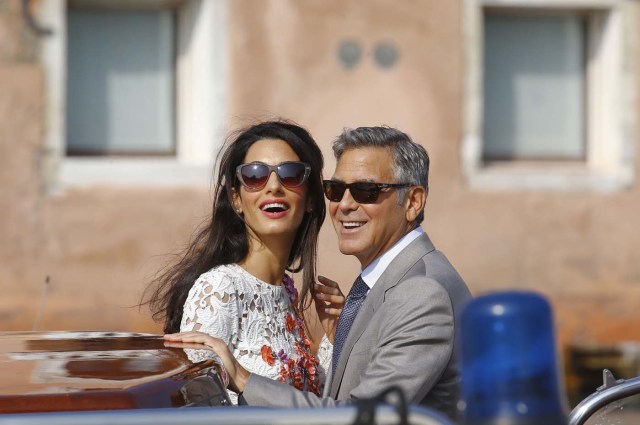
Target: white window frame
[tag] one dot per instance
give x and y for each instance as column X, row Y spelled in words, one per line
column 200, row 102
column 611, row 106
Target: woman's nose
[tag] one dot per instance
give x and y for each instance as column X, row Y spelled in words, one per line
column 273, row 183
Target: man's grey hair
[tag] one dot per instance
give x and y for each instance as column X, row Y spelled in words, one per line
column 410, row 160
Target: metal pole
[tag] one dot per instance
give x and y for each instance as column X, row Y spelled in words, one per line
column 610, row 391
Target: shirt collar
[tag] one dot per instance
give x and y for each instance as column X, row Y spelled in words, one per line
column 373, row 271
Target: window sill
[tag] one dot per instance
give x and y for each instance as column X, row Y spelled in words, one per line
column 554, row 177
column 156, row 172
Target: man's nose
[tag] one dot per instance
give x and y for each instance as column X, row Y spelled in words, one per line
column 347, row 202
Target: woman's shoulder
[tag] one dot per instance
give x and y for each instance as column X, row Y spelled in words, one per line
column 219, row 277
column 230, row 278
column 230, row 270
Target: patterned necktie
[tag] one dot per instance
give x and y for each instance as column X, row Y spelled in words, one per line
column 350, row 310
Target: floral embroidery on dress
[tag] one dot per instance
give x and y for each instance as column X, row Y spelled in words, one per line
column 258, row 321
column 303, row 372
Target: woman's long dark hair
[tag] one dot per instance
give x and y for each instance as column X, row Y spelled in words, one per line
column 224, row 240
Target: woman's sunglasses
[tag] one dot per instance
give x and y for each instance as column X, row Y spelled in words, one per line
column 362, row 192
column 255, row 175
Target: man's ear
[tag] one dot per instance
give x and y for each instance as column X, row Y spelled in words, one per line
column 235, row 201
column 415, row 202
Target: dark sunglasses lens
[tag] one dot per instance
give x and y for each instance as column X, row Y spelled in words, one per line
column 291, row 174
column 254, row 176
column 364, row 193
column 334, row 190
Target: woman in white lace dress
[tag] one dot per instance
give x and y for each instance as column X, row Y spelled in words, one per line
column 231, row 282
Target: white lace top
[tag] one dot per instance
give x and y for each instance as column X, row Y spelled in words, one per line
column 259, row 323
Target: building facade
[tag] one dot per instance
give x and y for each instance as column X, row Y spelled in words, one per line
column 111, row 113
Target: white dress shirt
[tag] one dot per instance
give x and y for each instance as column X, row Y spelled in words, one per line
column 373, row 271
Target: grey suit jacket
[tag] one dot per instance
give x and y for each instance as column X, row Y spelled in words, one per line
column 403, row 335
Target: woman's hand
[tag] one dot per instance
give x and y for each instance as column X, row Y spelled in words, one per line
column 238, row 375
column 329, row 301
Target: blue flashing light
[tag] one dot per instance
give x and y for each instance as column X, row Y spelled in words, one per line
column 508, row 361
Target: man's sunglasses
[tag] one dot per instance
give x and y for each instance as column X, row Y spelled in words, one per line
column 255, row 175
column 362, row 192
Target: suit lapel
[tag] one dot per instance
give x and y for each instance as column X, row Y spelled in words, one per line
column 389, row 278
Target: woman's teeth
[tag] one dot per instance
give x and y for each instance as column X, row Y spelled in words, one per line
column 274, row 207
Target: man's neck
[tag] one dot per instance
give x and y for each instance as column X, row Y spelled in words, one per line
column 372, row 271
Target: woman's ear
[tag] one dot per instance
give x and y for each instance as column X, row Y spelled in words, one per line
column 235, row 201
column 415, row 202
column 309, row 207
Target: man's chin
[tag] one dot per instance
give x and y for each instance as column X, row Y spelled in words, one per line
column 349, row 248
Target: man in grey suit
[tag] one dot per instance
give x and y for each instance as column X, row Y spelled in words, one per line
column 398, row 326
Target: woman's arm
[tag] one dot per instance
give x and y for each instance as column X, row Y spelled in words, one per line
column 238, row 375
column 213, row 308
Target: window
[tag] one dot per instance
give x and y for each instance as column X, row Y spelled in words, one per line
column 549, row 100
column 120, row 68
column 533, row 87
column 135, row 91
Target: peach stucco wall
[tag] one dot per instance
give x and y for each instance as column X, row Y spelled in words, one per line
column 579, row 248
column 100, row 246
